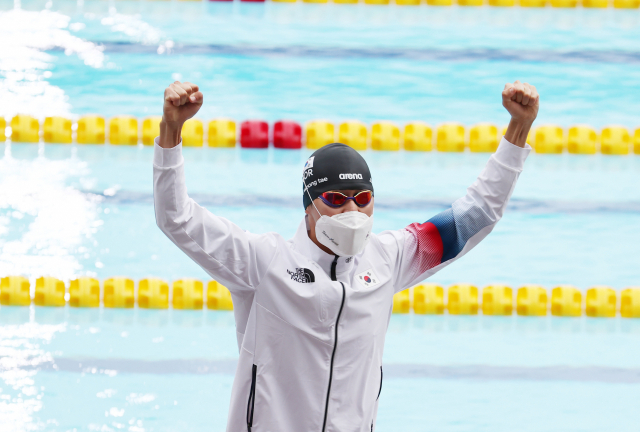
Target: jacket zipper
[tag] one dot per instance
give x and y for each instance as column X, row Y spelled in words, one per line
column 333, row 354
column 252, row 398
column 334, row 264
column 379, row 391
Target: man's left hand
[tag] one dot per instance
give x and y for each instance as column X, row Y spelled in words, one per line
column 522, row 101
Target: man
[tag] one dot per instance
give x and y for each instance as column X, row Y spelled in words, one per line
column 312, row 312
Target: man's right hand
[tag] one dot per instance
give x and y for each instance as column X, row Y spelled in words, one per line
column 181, row 102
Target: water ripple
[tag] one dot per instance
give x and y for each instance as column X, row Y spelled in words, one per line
column 393, row 371
column 430, row 54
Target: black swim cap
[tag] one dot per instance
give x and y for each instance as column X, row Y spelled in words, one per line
column 334, row 167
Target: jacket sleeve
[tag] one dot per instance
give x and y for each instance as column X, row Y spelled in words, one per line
column 234, row 257
column 422, row 249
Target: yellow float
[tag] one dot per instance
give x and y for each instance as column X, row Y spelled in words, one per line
column 462, row 300
column 630, row 303
column 84, row 292
column 450, row 137
column 153, row 293
column 222, row 133
column 192, row 133
column 497, row 300
column 354, row 134
column 615, row 140
column 483, row 138
column 566, row 301
column 49, row 292
column 595, row 3
column 118, row 293
column 188, row 294
column 428, row 298
column 150, row 129
column 57, row 130
column 25, row 128
column 532, row 300
column 319, row 133
column 582, row 140
column 564, row 3
column 218, row 296
column 549, row 139
column 418, row 136
column 401, row 302
column 385, row 136
column 91, row 130
column 626, row 4
column 14, row 291
column 601, row 302
column 123, row 130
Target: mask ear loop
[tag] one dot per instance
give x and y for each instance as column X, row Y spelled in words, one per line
column 306, row 189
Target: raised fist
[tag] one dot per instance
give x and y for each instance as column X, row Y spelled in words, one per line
column 181, row 102
column 521, row 100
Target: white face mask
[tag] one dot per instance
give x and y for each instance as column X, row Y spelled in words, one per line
column 346, row 234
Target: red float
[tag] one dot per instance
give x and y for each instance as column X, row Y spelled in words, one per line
column 287, row 134
column 254, row 134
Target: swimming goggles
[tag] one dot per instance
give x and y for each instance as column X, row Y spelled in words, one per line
column 338, row 199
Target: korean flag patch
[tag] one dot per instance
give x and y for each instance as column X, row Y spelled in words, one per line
column 368, row 278
column 309, row 163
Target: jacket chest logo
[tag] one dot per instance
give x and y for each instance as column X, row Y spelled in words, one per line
column 368, row 278
column 302, row 275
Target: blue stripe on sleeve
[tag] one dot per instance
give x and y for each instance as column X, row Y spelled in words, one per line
column 446, row 225
column 456, row 229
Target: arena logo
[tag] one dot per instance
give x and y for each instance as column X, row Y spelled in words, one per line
column 350, row 176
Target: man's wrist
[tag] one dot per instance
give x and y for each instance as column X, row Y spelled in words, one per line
column 169, row 134
column 518, row 131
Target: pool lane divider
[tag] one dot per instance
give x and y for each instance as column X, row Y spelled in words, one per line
column 287, row 134
column 428, row 298
column 563, row 4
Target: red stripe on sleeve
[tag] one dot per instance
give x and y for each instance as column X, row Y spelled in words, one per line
column 427, row 250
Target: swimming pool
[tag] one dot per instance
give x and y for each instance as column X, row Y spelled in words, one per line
column 71, row 210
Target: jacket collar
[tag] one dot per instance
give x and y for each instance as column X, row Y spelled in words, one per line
column 308, row 248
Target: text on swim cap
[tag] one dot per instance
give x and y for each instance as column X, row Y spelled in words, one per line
column 307, row 173
column 350, row 176
column 315, row 183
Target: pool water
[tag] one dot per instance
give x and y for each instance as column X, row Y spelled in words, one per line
column 88, row 210
column 306, row 61
column 172, row 370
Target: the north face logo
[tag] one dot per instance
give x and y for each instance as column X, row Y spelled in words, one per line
column 302, row 275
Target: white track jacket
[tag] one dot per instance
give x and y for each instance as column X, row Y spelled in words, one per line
column 311, row 326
